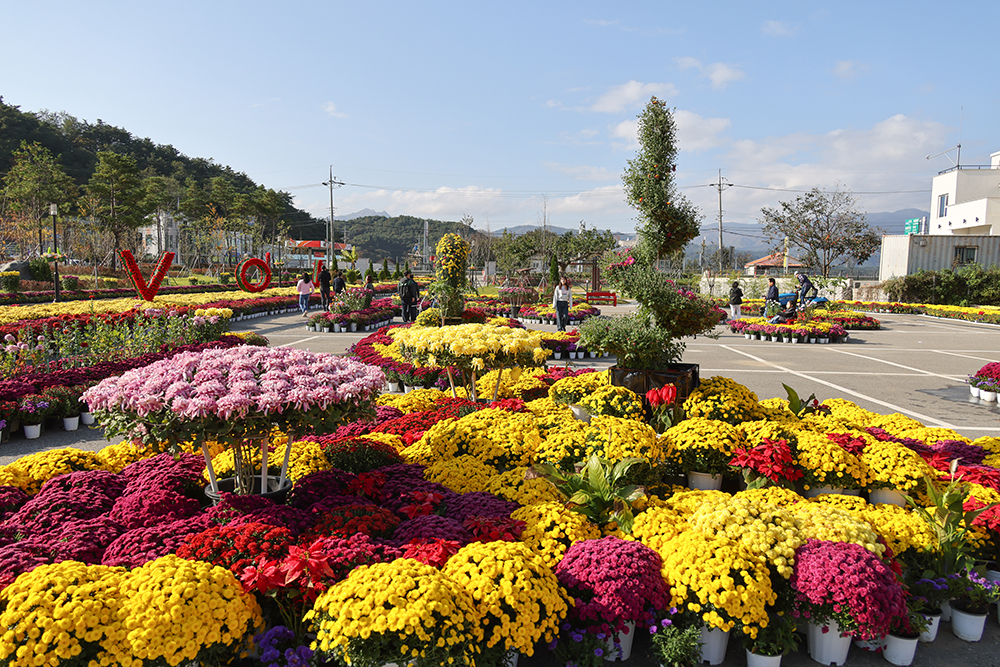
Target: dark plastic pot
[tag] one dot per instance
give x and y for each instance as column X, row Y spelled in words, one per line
column 228, row 484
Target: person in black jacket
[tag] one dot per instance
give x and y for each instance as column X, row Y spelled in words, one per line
column 735, row 300
column 788, row 314
column 324, row 287
column 409, row 292
column 772, row 292
column 339, row 284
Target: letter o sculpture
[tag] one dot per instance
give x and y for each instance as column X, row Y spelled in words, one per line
column 245, row 266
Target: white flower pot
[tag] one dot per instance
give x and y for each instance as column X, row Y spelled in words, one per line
column 946, row 612
column 899, row 650
column 757, row 660
column 824, row 341
column 870, row 645
column 407, row 388
column 337, row 328
column 713, row 645
column 988, row 396
column 510, row 658
column 32, row 431
column 974, row 391
column 704, row 481
column 933, row 623
column 557, row 355
column 793, row 340
column 86, row 418
column 967, row 627
column 580, row 413
column 812, row 339
column 747, row 336
column 827, row 648
column 625, row 640
column 71, row 423
column 354, row 326
column 887, row 497
column 327, row 329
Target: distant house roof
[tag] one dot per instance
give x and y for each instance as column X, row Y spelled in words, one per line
column 777, row 259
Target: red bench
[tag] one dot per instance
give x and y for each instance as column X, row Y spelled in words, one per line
column 603, row 296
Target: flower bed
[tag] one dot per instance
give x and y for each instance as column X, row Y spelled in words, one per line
column 421, row 520
column 799, row 331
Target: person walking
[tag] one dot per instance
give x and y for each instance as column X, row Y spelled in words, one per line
column 562, row 301
column 736, row 300
column 305, row 289
column 324, row 287
column 409, row 292
column 339, row 284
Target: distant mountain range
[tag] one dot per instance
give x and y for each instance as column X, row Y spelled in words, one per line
column 365, row 212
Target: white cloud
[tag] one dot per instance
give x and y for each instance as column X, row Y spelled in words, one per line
column 695, row 133
column 631, row 94
column 581, row 172
column 553, row 104
column 331, row 109
column 779, row 28
column 886, row 159
column 849, row 69
column 600, row 24
column 719, row 74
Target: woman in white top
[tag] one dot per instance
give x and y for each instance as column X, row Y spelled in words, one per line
column 562, row 301
column 305, row 289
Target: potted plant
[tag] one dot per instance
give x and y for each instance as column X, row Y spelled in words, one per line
column 430, row 619
column 236, row 396
column 844, row 590
column 704, row 448
column 773, row 641
column 615, row 584
column 33, row 410
column 676, row 643
column 667, row 223
column 519, row 599
column 973, row 596
column 905, row 632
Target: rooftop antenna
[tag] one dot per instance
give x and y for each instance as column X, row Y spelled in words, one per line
column 957, row 162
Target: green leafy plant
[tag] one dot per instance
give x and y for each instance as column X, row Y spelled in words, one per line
column 10, row 281
column 778, row 638
column 802, row 408
column 950, row 524
column 40, row 270
column 597, row 490
column 675, row 643
column 633, row 339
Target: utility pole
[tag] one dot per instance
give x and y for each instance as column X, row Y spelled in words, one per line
column 721, row 185
column 329, row 228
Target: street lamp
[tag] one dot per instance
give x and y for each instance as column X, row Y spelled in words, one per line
column 53, row 211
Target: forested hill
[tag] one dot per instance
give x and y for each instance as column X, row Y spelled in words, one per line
column 76, row 143
column 378, row 236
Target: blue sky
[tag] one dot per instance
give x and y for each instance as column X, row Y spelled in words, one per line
column 501, row 110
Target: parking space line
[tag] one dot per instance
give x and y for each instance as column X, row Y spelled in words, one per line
column 967, row 356
column 893, row 363
column 895, row 408
column 302, row 340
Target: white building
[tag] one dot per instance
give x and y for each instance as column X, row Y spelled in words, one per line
column 965, row 200
column 162, row 235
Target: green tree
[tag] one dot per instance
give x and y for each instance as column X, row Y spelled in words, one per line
column 667, row 220
column 162, row 194
column 119, row 195
column 553, row 270
column 34, row 181
column 571, row 247
column 826, row 226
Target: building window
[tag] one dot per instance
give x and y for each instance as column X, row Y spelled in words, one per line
column 965, row 255
column 943, row 205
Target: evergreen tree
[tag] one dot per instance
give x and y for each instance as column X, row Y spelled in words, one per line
column 553, row 270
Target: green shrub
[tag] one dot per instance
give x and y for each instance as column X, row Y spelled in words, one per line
column 71, row 283
column 40, row 270
column 224, row 278
column 193, row 280
column 352, row 275
column 10, row 281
